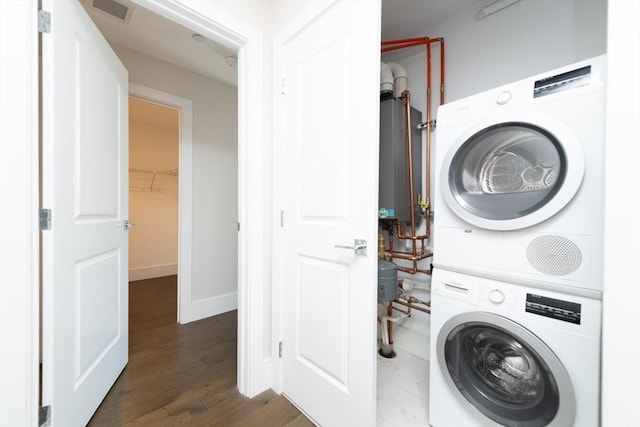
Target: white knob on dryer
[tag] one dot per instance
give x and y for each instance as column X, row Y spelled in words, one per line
column 496, row 296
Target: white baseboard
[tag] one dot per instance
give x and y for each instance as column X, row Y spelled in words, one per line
column 150, row 272
column 411, row 341
column 196, row 310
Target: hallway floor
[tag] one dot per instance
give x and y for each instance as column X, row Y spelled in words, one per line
column 184, row 374
column 403, row 391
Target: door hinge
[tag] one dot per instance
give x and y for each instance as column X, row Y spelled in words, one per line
column 44, row 21
column 238, row 226
column 44, row 416
column 282, row 86
column 280, row 350
column 44, row 217
column 281, row 218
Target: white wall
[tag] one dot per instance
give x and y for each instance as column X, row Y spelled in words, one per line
column 215, row 170
column 621, row 317
column 153, row 198
column 527, row 38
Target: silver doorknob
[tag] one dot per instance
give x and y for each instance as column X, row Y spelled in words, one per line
column 127, row 225
column 359, row 247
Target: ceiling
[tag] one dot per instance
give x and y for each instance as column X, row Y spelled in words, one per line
column 412, row 18
column 158, row 37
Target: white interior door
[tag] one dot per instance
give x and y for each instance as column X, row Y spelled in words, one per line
column 84, row 183
column 330, row 143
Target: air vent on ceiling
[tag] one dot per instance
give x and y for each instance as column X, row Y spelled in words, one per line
column 114, row 8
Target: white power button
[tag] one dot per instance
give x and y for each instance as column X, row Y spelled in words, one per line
column 496, row 296
column 504, row 97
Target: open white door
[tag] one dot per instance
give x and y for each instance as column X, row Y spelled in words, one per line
column 84, row 183
column 329, row 132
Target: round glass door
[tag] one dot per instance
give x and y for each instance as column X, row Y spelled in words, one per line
column 511, row 175
column 505, row 371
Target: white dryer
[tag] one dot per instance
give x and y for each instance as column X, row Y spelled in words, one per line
column 519, row 180
column 508, row 355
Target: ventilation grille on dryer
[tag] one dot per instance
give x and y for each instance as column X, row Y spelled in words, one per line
column 554, row 255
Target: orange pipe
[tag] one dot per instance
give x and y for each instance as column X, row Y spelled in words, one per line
column 422, row 40
column 427, row 189
column 407, row 100
column 399, row 41
column 441, row 70
column 402, row 46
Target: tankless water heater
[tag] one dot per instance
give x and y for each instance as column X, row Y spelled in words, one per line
column 394, row 197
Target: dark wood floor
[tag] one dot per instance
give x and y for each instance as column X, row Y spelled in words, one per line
column 184, row 374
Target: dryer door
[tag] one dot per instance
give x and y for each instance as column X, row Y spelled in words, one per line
column 505, row 371
column 512, row 174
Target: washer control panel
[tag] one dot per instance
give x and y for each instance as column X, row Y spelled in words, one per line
column 560, row 82
column 554, row 308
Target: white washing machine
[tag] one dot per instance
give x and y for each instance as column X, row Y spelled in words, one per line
column 508, row 355
column 519, row 181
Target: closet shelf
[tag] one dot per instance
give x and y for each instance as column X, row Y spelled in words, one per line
column 148, row 182
column 170, row 172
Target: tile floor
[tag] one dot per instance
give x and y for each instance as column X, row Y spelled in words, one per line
column 403, row 391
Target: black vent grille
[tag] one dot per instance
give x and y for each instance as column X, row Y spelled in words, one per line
column 112, row 7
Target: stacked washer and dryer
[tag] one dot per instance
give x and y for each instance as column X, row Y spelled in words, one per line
column 517, row 280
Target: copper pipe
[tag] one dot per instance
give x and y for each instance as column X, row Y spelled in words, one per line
column 402, row 236
column 427, row 190
column 407, row 100
column 411, row 306
column 409, row 256
column 390, row 324
column 414, row 300
column 423, row 253
column 441, row 70
column 407, row 312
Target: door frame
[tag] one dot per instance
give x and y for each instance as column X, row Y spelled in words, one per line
column 219, row 25
column 19, row 188
column 19, row 183
column 185, row 189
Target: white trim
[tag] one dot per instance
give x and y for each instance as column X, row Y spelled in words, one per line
column 152, row 271
column 19, row 189
column 185, row 191
column 211, row 307
column 217, row 24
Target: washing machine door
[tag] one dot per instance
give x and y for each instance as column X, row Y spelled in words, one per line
column 505, row 371
column 512, row 172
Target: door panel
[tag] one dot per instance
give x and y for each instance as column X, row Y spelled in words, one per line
column 330, row 113
column 84, row 183
column 318, row 328
column 97, row 159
